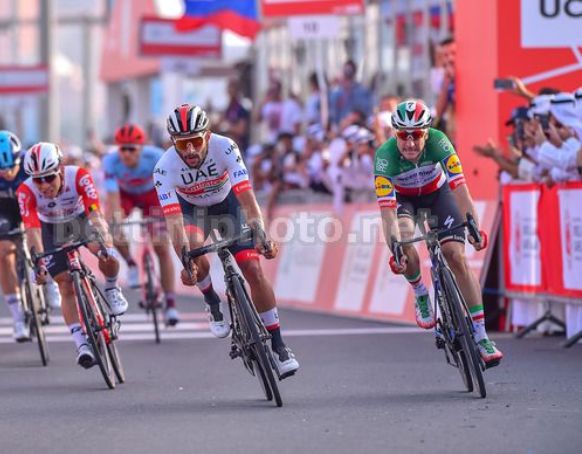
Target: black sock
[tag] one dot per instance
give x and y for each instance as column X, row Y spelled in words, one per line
column 276, row 339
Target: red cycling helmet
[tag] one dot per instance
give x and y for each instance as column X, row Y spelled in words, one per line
column 130, row 134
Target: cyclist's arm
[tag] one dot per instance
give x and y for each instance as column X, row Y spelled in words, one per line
column 166, row 190
column 27, row 207
column 389, row 225
column 251, row 209
column 113, row 212
column 465, row 201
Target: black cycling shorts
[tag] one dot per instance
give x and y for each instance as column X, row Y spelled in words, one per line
column 442, row 210
column 10, row 212
column 225, row 217
column 55, row 235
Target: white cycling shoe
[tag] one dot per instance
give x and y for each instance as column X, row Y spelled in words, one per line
column 219, row 327
column 52, row 294
column 133, row 277
column 285, row 361
column 85, row 356
column 116, row 300
column 21, row 331
column 171, row 316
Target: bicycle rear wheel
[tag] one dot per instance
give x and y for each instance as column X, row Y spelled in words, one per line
column 464, row 328
column 94, row 331
column 258, row 346
column 150, row 291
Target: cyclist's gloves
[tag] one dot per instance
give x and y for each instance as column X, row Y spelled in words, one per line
column 397, row 269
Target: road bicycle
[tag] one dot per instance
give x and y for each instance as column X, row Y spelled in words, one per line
column 99, row 325
column 454, row 326
column 36, row 310
column 151, row 289
column 249, row 335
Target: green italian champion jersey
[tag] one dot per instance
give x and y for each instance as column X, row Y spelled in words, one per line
column 438, row 164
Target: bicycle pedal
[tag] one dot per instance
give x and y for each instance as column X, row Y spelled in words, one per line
column 440, row 343
column 234, row 352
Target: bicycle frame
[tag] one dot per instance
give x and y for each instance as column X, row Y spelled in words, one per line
column 75, row 265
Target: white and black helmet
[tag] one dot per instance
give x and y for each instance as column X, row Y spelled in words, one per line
column 411, row 114
column 42, row 159
column 187, row 120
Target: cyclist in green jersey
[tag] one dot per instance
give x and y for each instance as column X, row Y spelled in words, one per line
column 420, row 170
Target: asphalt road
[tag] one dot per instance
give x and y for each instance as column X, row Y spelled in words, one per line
column 363, row 388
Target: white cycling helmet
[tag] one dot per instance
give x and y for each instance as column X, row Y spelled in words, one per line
column 42, row 159
column 187, row 120
column 411, row 114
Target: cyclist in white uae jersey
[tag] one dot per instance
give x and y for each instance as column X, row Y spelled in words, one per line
column 59, row 204
column 202, row 184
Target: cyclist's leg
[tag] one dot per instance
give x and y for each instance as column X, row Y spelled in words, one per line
column 120, row 241
column 57, row 268
column 407, row 211
column 9, row 212
column 162, row 246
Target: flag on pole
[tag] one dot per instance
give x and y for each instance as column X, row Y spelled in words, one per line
column 239, row 16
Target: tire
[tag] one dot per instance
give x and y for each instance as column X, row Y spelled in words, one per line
column 150, row 291
column 96, row 338
column 258, row 347
column 468, row 345
column 458, row 355
column 32, row 307
column 111, row 345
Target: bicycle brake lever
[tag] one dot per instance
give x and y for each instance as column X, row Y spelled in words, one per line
column 186, row 260
column 473, row 229
column 397, row 251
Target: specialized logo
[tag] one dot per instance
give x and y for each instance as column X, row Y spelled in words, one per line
column 381, row 164
column 453, row 165
column 449, row 221
column 383, row 187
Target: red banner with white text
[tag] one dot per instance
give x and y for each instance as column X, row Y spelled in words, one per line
column 543, row 239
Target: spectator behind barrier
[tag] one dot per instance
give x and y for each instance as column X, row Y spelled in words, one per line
column 349, row 96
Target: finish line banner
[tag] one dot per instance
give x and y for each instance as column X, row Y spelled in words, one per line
column 543, row 239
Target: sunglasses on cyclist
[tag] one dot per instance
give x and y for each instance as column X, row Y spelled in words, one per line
column 46, row 179
column 415, row 134
column 128, row 149
column 182, row 144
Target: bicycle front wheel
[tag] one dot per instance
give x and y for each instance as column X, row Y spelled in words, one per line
column 111, row 337
column 464, row 328
column 33, row 305
column 94, row 326
column 258, row 346
column 150, row 291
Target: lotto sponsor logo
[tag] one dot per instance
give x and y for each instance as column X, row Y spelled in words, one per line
column 454, row 165
column 383, row 187
column 87, row 184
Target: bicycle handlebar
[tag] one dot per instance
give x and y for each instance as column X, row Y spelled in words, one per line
column 68, row 248
column 470, row 224
column 141, row 222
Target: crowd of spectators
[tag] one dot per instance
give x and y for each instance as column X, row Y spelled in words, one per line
column 545, row 144
column 322, row 147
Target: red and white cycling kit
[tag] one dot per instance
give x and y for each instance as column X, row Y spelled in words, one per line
column 77, row 197
column 222, row 170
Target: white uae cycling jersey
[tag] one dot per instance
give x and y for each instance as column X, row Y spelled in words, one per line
column 221, row 171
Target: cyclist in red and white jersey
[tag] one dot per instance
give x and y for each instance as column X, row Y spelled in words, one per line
column 60, row 204
column 203, row 184
column 129, row 185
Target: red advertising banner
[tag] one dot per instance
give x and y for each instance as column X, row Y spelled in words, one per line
column 160, row 37
column 17, row 80
column 278, row 8
column 543, row 239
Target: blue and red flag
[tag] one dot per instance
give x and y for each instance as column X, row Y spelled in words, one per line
column 239, row 16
